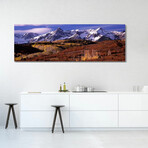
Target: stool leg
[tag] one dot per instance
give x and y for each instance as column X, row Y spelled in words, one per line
column 61, row 119
column 54, row 120
column 14, row 118
column 7, row 121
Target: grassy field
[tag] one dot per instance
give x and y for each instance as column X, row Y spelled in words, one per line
column 71, row 50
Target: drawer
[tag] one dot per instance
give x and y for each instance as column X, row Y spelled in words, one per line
column 42, row 119
column 94, row 102
column 43, row 102
column 133, row 118
column 133, row 102
column 93, row 119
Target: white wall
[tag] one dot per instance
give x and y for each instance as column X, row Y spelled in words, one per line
column 16, row 77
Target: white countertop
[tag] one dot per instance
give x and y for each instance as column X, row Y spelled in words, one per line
column 41, row 93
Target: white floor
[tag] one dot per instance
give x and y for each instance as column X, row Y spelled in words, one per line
column 11, row 138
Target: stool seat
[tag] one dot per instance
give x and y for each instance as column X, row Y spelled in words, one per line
column 11, row 107
column 58, row 106
column 10, row 103
column 57, row 109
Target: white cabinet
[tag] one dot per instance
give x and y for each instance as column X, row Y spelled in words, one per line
column 43, row 101
column 133, row 110
column 94, row 102
column 36, row 110
column 133, row 118
column 81, row 110
column 93, row 119
column 93, row 110
column 133, row 102
column 39, row 119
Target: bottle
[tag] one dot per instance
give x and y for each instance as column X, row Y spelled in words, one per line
column 60, row 87
column 64, row 87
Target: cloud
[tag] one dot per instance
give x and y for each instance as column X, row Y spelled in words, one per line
column 29, row 24
column 34, row 30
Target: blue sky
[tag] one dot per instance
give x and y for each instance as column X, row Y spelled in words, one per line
column 44, row 28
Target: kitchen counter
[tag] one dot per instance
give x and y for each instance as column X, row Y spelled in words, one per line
column 108, row 92
column 85, row 110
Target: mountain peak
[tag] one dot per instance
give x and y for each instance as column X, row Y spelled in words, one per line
column 99, row 29
column 59, row 30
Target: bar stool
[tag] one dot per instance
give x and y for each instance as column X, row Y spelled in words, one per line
column 11, row 107
column 57, row 109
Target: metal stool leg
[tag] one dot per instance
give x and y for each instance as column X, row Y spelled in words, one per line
column 61, row 120
column 7, row 121
column 54, row 120
column 14, row 118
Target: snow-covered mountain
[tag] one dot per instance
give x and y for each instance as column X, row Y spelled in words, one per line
column 121, row 35
column 24, row 38
column 58, row 34
column 98, row 34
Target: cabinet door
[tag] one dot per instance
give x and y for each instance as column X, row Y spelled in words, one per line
column 94, row 102
column 133, row 118
column 43, row 102
column 133, row 101
column 93, row 119
column 34, row 119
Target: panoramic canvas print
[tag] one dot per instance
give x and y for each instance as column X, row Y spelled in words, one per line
column 69, row 42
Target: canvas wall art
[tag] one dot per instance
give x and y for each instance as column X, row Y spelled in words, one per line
column 69, row 42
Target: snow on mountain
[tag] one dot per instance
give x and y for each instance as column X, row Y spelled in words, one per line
column 101, row 31
column 42, row 37
column 75, row 36
column 93, row 37
column 98, row 34
column 24, row 38
column 29, row 35
column 111, row 35
column 58, row 34
column 119, row 35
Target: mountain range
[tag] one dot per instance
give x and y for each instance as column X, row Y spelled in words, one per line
column 98, row 34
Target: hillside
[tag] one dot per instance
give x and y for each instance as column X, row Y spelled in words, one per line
column 72, row 50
